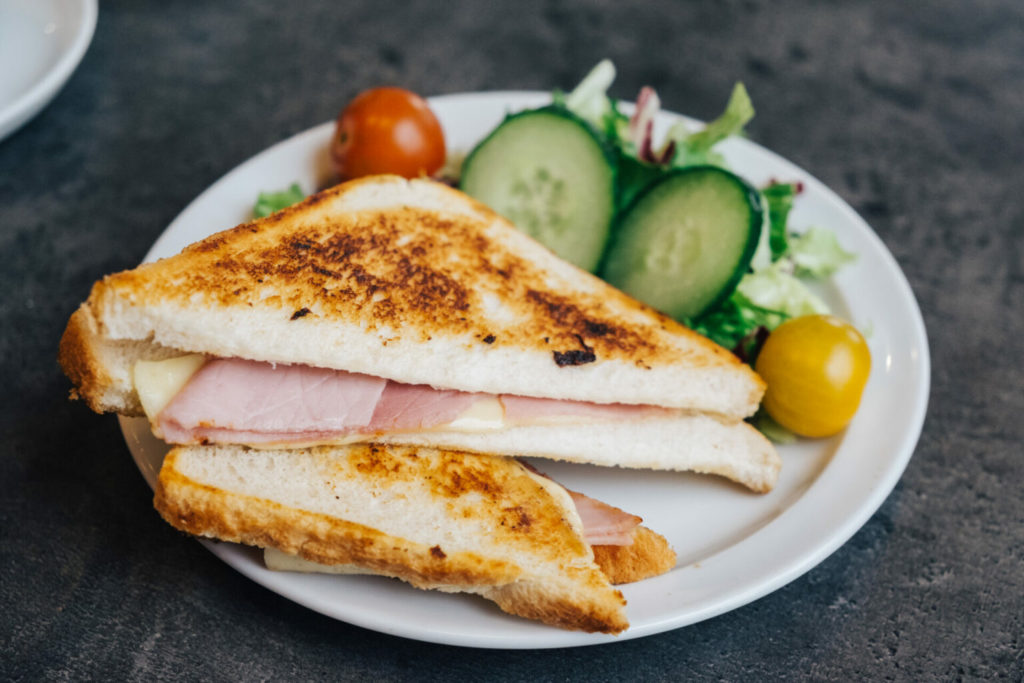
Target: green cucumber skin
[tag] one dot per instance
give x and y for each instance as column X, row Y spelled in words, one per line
column 634, row 177
column 607, row 193
column 754, row 226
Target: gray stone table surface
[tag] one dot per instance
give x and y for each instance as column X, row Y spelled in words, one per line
column 911, row 111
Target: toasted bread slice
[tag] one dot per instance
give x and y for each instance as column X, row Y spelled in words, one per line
column 648, row 555
column 408, row 280
column 694, row 442
column 436, row 519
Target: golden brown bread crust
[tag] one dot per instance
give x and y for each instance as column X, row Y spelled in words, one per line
column 522, row 514
column 526, row 600
column 77, row 357
column 649, row 555
column 207, row 511
column 100, row 367
column 415, row 271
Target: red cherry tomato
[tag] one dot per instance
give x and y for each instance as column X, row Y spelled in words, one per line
column 387, row 130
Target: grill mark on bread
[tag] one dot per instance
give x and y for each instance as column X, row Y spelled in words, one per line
column 575, row 356
column 470, row 484
column 609, row 338
column 516, row 518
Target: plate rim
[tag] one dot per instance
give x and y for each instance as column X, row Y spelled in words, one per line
column 794, row 568
column 26, row 106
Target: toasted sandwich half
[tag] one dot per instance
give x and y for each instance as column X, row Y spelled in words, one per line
column 405, row 312
column 436, row 519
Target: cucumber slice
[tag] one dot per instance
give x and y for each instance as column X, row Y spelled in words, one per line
column 552, row 176
column 634, row 176
column 686, row 240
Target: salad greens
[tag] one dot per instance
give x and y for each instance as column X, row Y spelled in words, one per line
column 779, row 198
column 633, row 135
column 776, row 287
column 696, row 148
column 816, row 253
column 269, row 202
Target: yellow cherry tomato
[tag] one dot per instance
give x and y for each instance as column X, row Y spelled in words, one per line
column 816, row 367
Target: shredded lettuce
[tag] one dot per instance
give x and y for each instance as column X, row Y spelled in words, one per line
column 269, row 202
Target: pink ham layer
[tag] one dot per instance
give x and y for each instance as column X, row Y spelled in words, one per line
column 603, row 524
column 249, row 402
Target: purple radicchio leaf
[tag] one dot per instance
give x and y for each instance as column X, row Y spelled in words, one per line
column 641, row 124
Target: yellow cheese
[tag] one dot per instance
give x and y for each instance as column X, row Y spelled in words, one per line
column 279, row 561
column 158, row 381
column 485, row 415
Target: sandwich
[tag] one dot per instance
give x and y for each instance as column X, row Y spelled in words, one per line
column 403, row 312
column 437, row 519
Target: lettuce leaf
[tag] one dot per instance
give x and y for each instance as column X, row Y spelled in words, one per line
column 694, row 149
column 763, row 256
column 772, row 429
column 269, row 202
column 589, row 100
column 736, row 321
column 779, row 200
column 817, row 253
column 775, row 289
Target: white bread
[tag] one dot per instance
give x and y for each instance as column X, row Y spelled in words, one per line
column 436, row 519
column 408, row 280
column 693, row 442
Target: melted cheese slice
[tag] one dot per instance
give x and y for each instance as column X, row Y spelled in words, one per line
column 483, row 416
column 278, row 561
column 158, row 381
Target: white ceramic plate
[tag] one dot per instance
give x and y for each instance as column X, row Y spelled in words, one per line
column 41, row 44
column 733, row 546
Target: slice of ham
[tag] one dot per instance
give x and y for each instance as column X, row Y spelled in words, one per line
column 405, row 407
column 230, row 400
column 252, row 398
column 604, row 524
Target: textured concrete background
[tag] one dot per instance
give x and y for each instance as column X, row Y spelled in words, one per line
column 910, row 111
